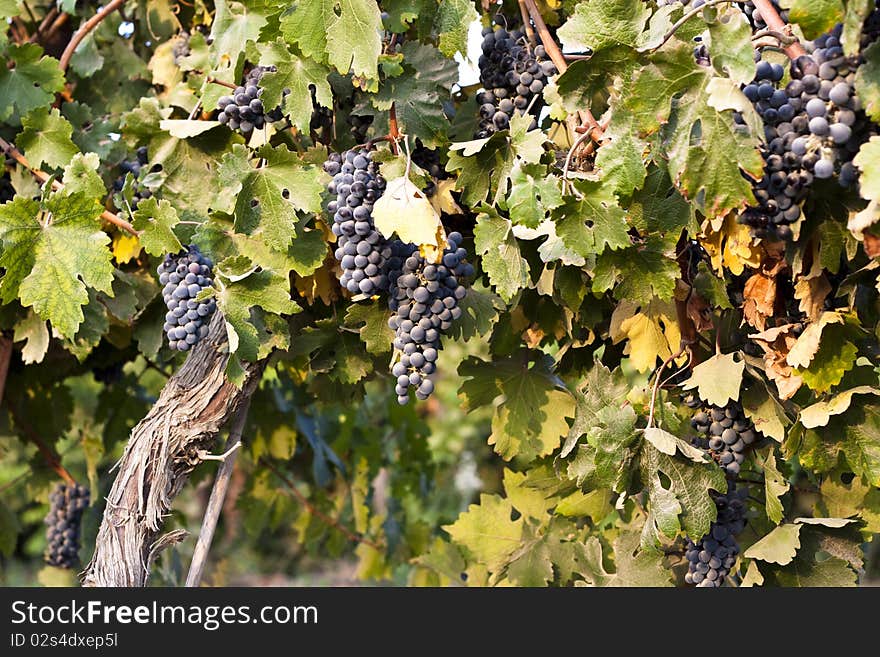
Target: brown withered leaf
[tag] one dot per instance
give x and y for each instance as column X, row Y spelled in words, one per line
column 776, row 343
column 812, row 292
column 759, row 293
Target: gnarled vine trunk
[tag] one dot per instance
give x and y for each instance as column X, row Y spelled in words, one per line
column 162, row 451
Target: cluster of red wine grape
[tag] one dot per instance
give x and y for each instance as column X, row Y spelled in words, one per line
column 424, row 297
column 184, row 275
column 726, row 433
column 361, row 250
column 813, row 129
column 512, row 75
column 243, row 110
column 67, row 502
column 134, row 167
column 711, row 559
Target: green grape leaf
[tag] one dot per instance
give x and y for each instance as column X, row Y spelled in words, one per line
column 639, row 272
column 779, row 546
column 717, row 379
column 267, row 289
column 269, row 196
column 486, row 531
column 705, row 147
column 599, row 389
column 81, row 175
column 156, row 221
column 295, row 75
column 835, row 358
column 493, row 238
column 775, row 485
column 9, row 530
column 479, row 312
column 455, row 16
column 867, row 84
column 621, row 162
column 344, row 33
column 532, row 194
column 52, row 254
column 371, row 322
column 596, row 26
column 815, row 17
column 235, row 23
column 552, row 248
column 28, row 79
column 531, row 565
column 525, row 497
column 419, row 93
column 46, row 138
column 687, row 495
column 634, row 567
column 593, row 222
column 712, row 288
column 832, row 572
column 530, row 418
column 730, row 42
column 765, row 412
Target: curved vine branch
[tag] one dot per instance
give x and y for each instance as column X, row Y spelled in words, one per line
column 586, row 116
column 42, row 176
column 331, row 522
column 48, row 454
column 84, row 30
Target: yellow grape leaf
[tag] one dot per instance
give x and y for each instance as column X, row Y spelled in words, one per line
column 819, row 414
column 404, row 209
column 125, row 247
column 442, row 200
column 807, row 344
column 732, row 246
column 651, row 331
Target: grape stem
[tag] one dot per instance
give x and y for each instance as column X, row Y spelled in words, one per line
column 527, row 24
column 228, row 85
column 393, row 129
column 42, row 176
column 85, row 29
column 774, row 22
column 585, row 116
column 218, row 496
column 47, row 453
column 331, row 522
column 47, row 20
column 687, row 16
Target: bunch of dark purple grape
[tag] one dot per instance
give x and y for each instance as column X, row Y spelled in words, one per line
column 361, row 250
column 243, row 110
column 424, row 297
column 711, row 559
column 836, row 126
column 512, row 75
column 134, row 167
column 67, row 503
column 428, row 160
column 184, row 275
column 726, row 433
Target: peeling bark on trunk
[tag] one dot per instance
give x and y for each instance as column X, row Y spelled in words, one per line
column 162, row 451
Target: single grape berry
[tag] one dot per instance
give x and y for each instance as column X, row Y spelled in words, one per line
column 184, row 275
column 67, row 502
